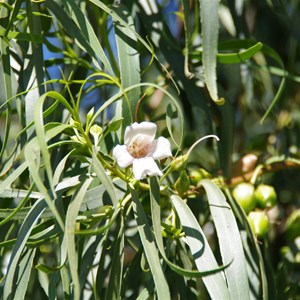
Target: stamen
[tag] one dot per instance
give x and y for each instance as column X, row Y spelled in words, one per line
column 138, row 148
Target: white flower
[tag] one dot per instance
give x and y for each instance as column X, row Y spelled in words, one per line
column 141, row 149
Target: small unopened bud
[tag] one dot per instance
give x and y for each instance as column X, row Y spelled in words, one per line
column 179, row 163
column 74, row 123
column 182, row 184
column 90, row 114
column 96, row 131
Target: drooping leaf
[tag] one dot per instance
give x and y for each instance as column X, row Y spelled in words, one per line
column 150, row 249
column 23, row 235
column 201, row 251
column 101, row 173
column 210, row 35
column 230, row 243
column 88, row 32
column 129, row 64
column 25, row 269
column 156, row 219
column 69, row 237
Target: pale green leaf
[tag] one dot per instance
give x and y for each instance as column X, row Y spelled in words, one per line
column 229, row 241
column 116, row 272
column 150, row 249
column 23, row 235
column 129, row 64
column 210, row 34
column 69, row 237
column 201, row 251
column 104, row 178
column 24, row 271
column 87, row 31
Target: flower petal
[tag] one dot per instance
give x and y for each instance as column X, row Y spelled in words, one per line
column 123, row 158
column 146, row 129
column 161, row 148
column 145, row 166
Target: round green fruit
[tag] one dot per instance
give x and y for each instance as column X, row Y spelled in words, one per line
column 265, row 196
column 195, row 176
column 243, row 193
column 259, row 223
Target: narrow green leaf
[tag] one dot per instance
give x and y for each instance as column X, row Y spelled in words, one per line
column 21, row 36
column 111, row 11
column 229, row 241
column 150, row 249
column 238, row 44
column 46, row 269
column 254, row 258
column 153, row 17
column 23, row 235
column 24, row 271
column 59, row 170
column 13, row 16
column 32, row 157
column 156, row 220
column 201, row 251
column 35, row 66
column 13, row 176
column 226, row 134
column 69, row 237
column 16, row 210
column 88, row 259
column 169, row 117
column 188, row 37
column 129, row 64
column 84, row 36
column 104, row 178
column 113, row 290
column 87, row 31
column 41, row 138
column 44, row 281
column 19, row 193
column 272, row 53
column 234, row 58
column 144, row 295
column 5, row 59
column 210, row 31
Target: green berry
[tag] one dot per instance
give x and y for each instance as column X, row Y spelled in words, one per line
column 259, row 223
column 243, row 193
column 195, row 176
column 265, row 196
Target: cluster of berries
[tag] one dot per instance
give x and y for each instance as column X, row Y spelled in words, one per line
column 256, row 201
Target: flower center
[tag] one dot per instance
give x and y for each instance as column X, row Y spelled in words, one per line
column 138, row 148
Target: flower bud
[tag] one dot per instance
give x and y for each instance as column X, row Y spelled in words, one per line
column 90, row 114
column 96, row 131
column 182, row 184
column 179, row 163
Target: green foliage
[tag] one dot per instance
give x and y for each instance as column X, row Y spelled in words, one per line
column 74, row 75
